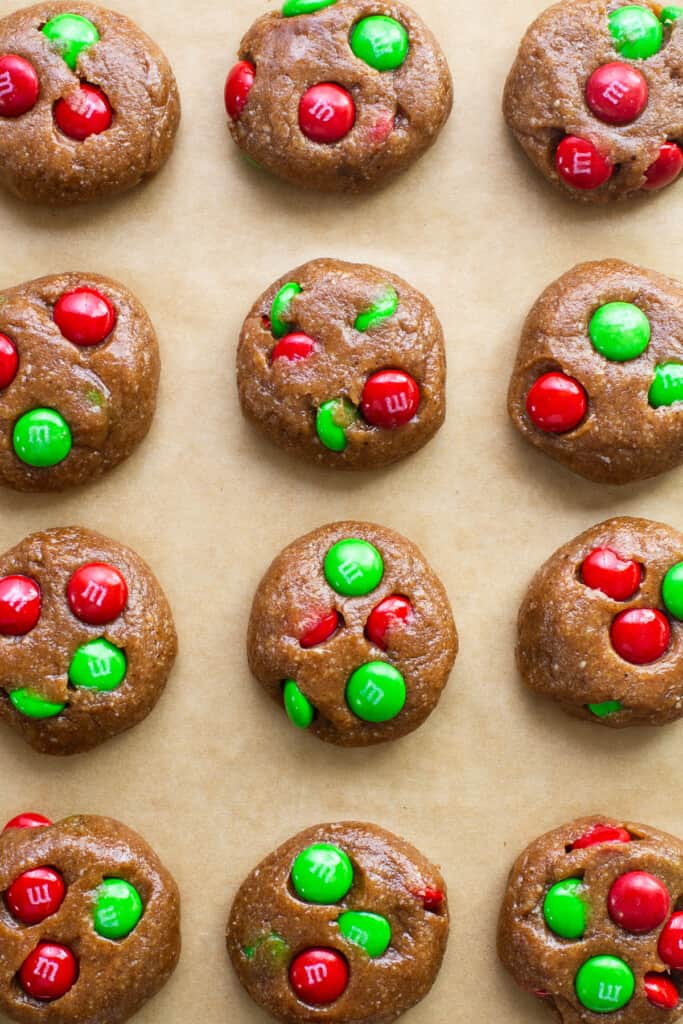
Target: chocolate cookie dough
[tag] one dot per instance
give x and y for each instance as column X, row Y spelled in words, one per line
column 87, row 639
column 590, row 922
column 593, row 97
column 88, row 103
column 598, row 381
column 338, row 95
column 344, row 923
column 600, row 627
column 79, row 370
column 89, row 922
column 353, row 632
column 343, row 363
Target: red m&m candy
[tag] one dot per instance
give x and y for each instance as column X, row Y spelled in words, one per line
column 638, row 902
column 390, row 399
column 640, row 635
column 27, row 820
column 601, row 834
column 618, row 578
column 84, row 316
column 665, row 169
column 320, row 630
column 294, row 347
column 84, row 112
column 661, row 991
column 19, row 86
column 432, row 899
column 581, row 165
column 19, row 605
column 617, row 93
column 389, row 614
column 319, row 976
column 556, row 403
column 48, row 972
column 9, row 361
column 326, row 113
column 97, row 593
column 35, row 895
column 670, row 947
column 237, row 87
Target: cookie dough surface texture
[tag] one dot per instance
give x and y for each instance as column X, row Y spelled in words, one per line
column 344, row 364
column 343, row 922
column 589, row 921
column 600, row 629
column 81, row 391
column 339, row 99
column 87, row 639
column 353, row 631
column 593, row 97
column 103, row 114
column 95, row 979
column 597, row 383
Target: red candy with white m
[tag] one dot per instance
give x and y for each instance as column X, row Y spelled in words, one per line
column 617, row 93
column 390, row 399
column 326, row 113
column 97, row 593
column 319, row 976
column 35, row 895
column 84, row 112
column 48, row 972
column 581, row 165
column 20, row 603
column 19, row 86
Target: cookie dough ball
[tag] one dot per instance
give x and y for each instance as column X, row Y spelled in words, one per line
column 590, row 922
column 338, row 95
column 598, row 381
column 344, row 922
column 79, row 370
column 90, row 921
column 344, row 364
column 600, row 627
column 593, row 97
column 352, row 631
column 88, row 103
column 87, row 640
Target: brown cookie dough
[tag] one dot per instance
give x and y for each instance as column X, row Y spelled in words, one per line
column 600, row 625
column 121, row 941
column 349, row 370
column 344, row 923
column 105, row 393
column 55, row 608
column 39, row 161
column 304, row 106
column 590, row 919
column 354, row 632
column 632, row 422
column 595, row 118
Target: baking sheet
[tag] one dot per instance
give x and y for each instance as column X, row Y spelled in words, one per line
column 215, row 778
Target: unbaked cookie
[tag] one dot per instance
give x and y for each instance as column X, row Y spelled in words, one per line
column 89, row 921
column 594, row 98
column 591, row 922
column 338, row 96
column 344, row 364
column 344, row 923
column 600, row 626
column 86, row 639
column 352, row 631
column 598, row 381
column 79, row 370
column 88, row 103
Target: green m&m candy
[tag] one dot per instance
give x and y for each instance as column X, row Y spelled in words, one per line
column 271, row 946
column 353, row 567
column 279, row 311
column 371, row 932
column 604, row 984
column 299, row 709
column 564, row 909
column 637, row 32
column 41, row 438
column 69, row 34
column 291, row 8
column 322, row 873
column 385, row 307
column 117, row 910
column 98, row 665
column 671, row 14
column 376, row 692
column 607, row 707
column 672, row 591
column 380, row 41
column 333, row 420
column 667, row 387
column 619, row 331
column 33, row 706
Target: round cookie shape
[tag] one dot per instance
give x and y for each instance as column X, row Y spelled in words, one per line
column 338, row 96
column 621, row 962
column 608, row 650
column 72, row 681
column 63, row 966
column 83, row 391
column 343, row 364
column 592, row 98
column 612, row 333
column 352, row 632
column 365, row 956
column 90, row 110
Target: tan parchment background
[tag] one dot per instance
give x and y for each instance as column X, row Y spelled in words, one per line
column 215, row 778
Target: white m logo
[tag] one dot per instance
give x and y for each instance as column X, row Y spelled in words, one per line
column 6, row 86
column 322, row 111
column 315, row 973
column 46, row 969
column 94, row 593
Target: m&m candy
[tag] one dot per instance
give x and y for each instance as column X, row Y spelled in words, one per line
column 84, row 112
column 332, row 421
column 670, row 946
column 294, row 347
column 28, row 819
column 619, row 331
column 619, row 578
column 319, row 976
column 97, row 593
column 604, row 984
column 322, row 873
column 556, row 403
column 667, row 386
column 20, row 603
column 380, row 41
column 326, row 113
column 387, row 616
column 390, row 399
column 238, row 85
column 640, row 635
column 376, row 692
column 299, row 709
column 666, row 168
column 672, row 591
column 661, row 991
column 35, row 895
column 384, row 308
column 353, row 567
column 605, row 708
column 19, row 86
column 291, row 8
column 432, row 899
column 41, row 438
column 48, row 972
column 671, row 14
column 564, row 909
column 617, row 93
column 84, row 316
column 70, row 34
column 601, row 834
column 280, row 309
column 118, row 908
column 636, row 31
column 9, row 361
column 320, row 630
column 98, row 665
column 581, row 165
column 638, row 902
column 32, row 705
column 371, row 932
